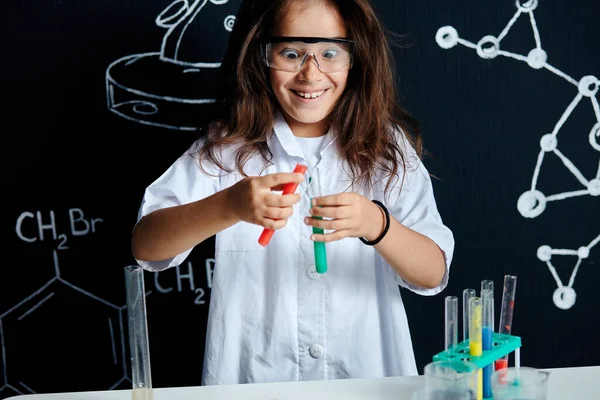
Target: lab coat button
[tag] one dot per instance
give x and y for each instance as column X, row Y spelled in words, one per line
column 316, row 351
column 312, row 273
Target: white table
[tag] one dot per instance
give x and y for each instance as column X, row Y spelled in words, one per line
column 564, row 384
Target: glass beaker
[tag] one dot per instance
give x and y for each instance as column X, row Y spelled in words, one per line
column 443, row 394
column 450, row 376
column 523, row 383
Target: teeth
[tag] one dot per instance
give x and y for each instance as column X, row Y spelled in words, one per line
column 310, row 95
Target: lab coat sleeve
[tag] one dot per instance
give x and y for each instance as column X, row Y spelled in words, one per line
column 183, row 182
column 415, row 207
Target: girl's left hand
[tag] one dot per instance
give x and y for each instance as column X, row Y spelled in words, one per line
column 347, row 215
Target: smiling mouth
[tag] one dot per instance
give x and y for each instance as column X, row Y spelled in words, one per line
column 307, row 95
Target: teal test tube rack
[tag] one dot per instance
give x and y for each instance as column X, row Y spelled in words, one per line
column 502, row 345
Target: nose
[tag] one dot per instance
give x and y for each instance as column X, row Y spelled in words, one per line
column 309, row 71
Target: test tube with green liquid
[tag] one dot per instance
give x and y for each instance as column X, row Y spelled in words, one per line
column 314, row 190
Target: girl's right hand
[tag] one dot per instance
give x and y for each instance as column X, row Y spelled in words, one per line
column 252, row 199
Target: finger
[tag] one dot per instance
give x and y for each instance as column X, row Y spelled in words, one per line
column 278, row 200
column 328, row 224
column 329, row 237
column 280, row 178
column 278, row 212
column 273, row 223
column 340, row 212
column 340, row 199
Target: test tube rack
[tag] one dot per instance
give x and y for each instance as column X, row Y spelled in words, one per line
column 502, row 345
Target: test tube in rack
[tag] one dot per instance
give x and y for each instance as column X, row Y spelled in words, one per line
column 451, row 322
column 467, row 294
column 506, row 313
column 475, row 340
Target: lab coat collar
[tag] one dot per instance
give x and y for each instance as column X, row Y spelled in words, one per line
column 286, row 137
column 288, row 141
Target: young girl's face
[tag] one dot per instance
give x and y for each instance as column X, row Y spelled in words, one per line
column 302, row 114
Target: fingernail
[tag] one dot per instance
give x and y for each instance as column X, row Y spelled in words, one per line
column 306, row 220
column 314, row 202
column 312, row 237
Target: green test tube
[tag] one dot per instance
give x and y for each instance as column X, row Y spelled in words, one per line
column 320, row 252
column 319, row 247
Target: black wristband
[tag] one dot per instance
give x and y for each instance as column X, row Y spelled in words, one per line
column 387, row 225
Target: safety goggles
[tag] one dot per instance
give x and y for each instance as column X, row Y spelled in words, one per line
column 291, row 53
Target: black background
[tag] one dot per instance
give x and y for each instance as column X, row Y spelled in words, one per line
column 64, row 151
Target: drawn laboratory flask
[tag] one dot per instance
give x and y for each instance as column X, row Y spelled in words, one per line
column 183, row 21
column 169, row 88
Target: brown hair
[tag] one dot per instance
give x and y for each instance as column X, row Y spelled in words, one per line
column 364, row 118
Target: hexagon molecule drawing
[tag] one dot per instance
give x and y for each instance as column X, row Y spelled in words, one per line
column 51, row 327
column 533, row 201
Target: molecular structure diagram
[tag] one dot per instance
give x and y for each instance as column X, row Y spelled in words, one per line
column 533, row 202
column 21, row 338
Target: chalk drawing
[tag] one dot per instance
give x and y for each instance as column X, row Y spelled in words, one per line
column 81, row 311
column 533, row 201
column 200, row 293
column 564, row 296
column 166, row 88
column 100, row 314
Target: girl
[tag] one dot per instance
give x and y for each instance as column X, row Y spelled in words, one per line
column 304, row 82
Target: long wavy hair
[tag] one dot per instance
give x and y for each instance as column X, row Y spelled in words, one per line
column 365, row 118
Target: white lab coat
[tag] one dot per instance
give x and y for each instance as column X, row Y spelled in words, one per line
column 272, row 317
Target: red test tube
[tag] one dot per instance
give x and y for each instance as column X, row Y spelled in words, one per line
column 289, row 188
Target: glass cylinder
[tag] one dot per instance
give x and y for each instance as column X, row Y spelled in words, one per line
column 141, row 377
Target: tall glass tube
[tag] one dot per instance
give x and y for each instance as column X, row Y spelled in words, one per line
column 141, row 376
column 475, row 345
column 451, row 322
column 467, row 294
column 487, row 328
column 506, row 313
column 487, row 284
column 314, row 190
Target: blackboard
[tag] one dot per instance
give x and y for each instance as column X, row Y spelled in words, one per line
column 98, row 98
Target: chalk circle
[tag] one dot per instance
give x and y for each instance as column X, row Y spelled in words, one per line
column 229, row 22
column 564, row 297
column 537, row 58
column 492, row 45
column 583, row 252
column 218, row 2
column 595, row 136
column 144, row 107
column 169, row 16
column 526, row 5
column 594, row 187
column 531, row 203
column 588, row 86
column 548, row 142
column 446, row 37
column 544, row 253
